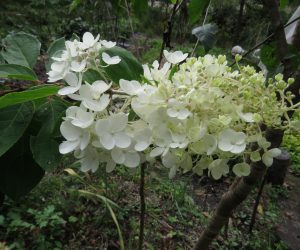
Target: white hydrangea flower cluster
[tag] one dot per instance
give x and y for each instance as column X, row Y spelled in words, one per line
column 194, row 116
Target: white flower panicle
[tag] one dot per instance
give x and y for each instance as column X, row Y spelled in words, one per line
column 196, row 116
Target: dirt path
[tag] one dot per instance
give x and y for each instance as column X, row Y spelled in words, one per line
column 289, row 228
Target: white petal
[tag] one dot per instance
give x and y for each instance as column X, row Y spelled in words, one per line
column 172, row 112
column 71, row 79
column 68, row 90
column 130, row 87
column 110, row 166
column 84, row 140
column 225, row 145
column 69, row 131
column 172, row 172
column 68, row 146
column 122, row 140
column 110, row 60
column 267, row 160
column 102, row 126
column 156, row 152
column 118, row 122
column 118, row 156
column 175, row 57
column 147, row 73
column 132, row 159
column 58, row 66
column 107, row 141
column 108, row 44
column 78, row 66
column 100, row 86
column 83, row 119
column 141, row 146
column 97, row 106
column 183, row 114
column 88, row 39
column 274, row 152
column 241, row 169
column 237, row 149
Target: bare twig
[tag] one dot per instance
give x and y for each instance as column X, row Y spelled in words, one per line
column 265, row 40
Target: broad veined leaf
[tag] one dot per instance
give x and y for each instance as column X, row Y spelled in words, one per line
column 196, row 8
column 55, row 47
column 27, row 95
column 19, row 172
column 43, row 146
column 22, row 49
column 13, row 122
column 206, row 34
column 91, row 76
column 129, row 68
column 17, row 72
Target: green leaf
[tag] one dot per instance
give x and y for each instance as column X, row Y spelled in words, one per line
column 44, row 147
column 140, row 8
column 206, row 35
column 17, row 72
column 19, row 171
column 283, row 3
column 196, row 8
column 269, row 56
column 129, row 68
column 13, row 122
column 74, row 5
column 173, row 1
column 56, row 47
column 91, row 76
column 22, row 49
column 2, row 61
column 27, row 95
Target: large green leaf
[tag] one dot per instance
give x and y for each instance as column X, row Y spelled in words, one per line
column 91, row 76
column 56, row 47
column 27, row 95
column 44, row 147
column 17, row 72
column 129, row 68
column 22, row 49
column 13, row 122
column 196, row 8
column 206, row 34
column 19, row 173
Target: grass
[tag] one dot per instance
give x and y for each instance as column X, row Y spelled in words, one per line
column 56, row 216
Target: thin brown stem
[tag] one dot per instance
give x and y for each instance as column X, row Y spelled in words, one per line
column 168, row 31
column 265, row 40
column 257, row 200
column 143, row 206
